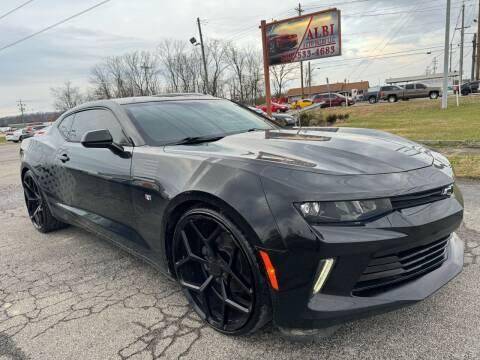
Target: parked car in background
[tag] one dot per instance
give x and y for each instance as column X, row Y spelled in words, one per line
column 30, row 130
column 284, row 119
column 372, row 94
column 333, row 99
column 5, row 129
column 16, row 135
column 257, row 110
column 42, row 131
column 24, row 133
column 300, row 104
column 276, row 108
column 409, row 91
column 470, row 88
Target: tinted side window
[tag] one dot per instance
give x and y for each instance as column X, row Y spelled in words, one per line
column 421, row 86
column 65, row 126
column 410, row 87
column 97, row 119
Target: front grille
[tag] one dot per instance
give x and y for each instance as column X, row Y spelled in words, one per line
column 389, row 270
column 420, row 198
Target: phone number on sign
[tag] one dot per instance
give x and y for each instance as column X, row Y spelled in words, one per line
column 320, row 51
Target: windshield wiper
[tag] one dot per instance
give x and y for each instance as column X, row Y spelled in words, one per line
column 196, row 140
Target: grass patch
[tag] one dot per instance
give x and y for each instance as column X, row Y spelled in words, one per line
column 424, row 120
column 2, row 139
column 419, row 120
column 466, row 166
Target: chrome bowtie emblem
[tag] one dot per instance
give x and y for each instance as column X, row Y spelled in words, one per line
column 448, row 191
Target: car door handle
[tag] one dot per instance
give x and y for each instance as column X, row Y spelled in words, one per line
column 64, row 158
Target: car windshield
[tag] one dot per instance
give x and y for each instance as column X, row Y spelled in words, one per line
column 169, row 122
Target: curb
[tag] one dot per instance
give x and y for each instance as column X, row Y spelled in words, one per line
column 464, row 143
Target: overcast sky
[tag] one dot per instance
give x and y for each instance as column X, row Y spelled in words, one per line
column 370, row 27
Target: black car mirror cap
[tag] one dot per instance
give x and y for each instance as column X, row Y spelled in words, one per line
column 97, row 139
column 101, row 139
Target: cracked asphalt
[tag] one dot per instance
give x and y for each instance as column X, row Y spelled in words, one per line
column 70, row 295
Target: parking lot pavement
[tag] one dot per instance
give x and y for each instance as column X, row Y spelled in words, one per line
column 69, row 295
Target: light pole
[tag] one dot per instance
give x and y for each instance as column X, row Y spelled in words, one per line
column 446, row 56
column 194, row 42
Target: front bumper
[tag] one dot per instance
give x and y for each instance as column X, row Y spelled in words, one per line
column 356, row 248
column 325, row 310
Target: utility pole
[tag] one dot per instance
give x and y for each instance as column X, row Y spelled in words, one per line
column 145, row 68
column 462, row 40
column 477, row 77
column 22, row 108
column 203, row 56
column 451, row 53
column 300, row 11
column 445, row 59
column 474, row 42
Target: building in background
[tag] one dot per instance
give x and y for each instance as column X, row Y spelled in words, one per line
column 350, row 89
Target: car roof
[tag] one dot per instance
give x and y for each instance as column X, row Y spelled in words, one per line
column 145, row 99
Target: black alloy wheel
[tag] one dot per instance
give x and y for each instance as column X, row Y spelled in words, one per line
column 217, row 273
column 33, row 200
column 37, row 208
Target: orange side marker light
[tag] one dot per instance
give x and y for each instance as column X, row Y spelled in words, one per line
column 270, row 269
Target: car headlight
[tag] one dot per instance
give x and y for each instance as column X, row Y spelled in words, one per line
column 343, row 211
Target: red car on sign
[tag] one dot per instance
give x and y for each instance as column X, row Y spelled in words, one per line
column 277, row 108
column 282, row 42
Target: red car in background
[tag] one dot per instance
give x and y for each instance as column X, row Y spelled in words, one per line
column 276, row 108
column 333, row 99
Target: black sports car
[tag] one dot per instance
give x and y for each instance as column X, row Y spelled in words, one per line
column 310, row 228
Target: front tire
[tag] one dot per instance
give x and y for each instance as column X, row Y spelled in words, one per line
column 37, row 207
column 219, row 273
column 392, row 99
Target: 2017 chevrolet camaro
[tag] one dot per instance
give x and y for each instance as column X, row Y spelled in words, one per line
column 309, row 228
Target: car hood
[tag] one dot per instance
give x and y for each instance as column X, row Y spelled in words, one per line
column 339, row 151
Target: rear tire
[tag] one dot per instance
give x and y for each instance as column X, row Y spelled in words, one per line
column 372, row 100
column 392, row 99
column 38, row 210
column 434, row 95
column 210, row 257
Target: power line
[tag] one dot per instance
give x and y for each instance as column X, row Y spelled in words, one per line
column 53, row 25
column 15, row 9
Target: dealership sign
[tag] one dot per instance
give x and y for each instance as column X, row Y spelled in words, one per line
column 308, row 37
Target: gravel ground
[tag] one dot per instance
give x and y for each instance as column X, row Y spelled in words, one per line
column 69, row 295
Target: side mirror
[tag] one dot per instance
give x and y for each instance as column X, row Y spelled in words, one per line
column 97, row 139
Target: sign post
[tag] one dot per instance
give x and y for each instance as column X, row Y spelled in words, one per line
column 266, row 68
column 301, row 38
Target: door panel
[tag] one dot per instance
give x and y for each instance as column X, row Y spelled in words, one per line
column 101, row 193
column 421, row 91
column 410, row 91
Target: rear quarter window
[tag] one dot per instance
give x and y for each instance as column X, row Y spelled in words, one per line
column 65, row 126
